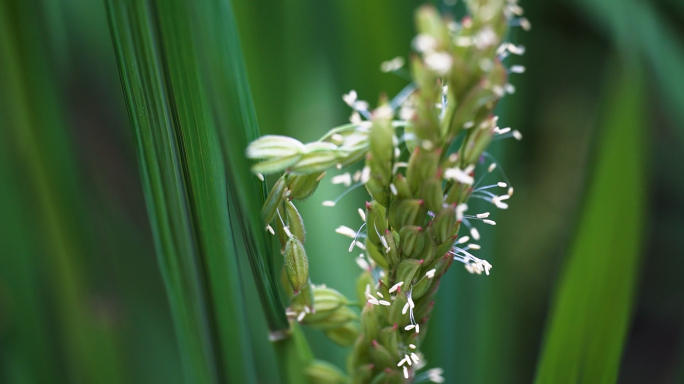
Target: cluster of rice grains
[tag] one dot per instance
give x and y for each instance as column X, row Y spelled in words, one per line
column 425, row 158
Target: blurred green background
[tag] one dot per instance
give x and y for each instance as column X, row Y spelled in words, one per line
column 594, row 229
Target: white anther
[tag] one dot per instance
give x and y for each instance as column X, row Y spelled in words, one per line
column 355, row 118
column 406, row 112
column 344, row 178
column 365, row 174
column 516, row 50
column 486, row 64
column 460, row 210
column 424, row 43
column 525, row 24
column 346, row 231
column 509, row 88
column 487, row 266
column 350, row 98
column 396, row 286
column 427, row 145
column 517, row 69
column 517, row 135
column 384, row 243
column 392, row 65
column 338, row 139
column 357, row 176
column 496, row 200
column 498, row 90
column 485, row 38
column 361, row 105
column 435, row 375
column 515, row 9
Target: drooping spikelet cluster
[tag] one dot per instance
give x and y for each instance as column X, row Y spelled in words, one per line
column 425, row 157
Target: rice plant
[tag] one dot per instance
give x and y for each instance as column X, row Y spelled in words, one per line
column 152, row 231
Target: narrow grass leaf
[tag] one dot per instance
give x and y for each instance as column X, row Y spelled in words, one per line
column 55, row 335
column 159, row 48
column 638, row 28
column 225, row 80
column 592, row 306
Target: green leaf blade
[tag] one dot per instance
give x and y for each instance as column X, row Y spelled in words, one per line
column 588, row 326
column 185, row 185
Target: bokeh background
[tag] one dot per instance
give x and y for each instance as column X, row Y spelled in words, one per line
column 74, row 228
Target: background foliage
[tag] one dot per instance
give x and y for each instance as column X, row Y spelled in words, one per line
column 594, row 226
